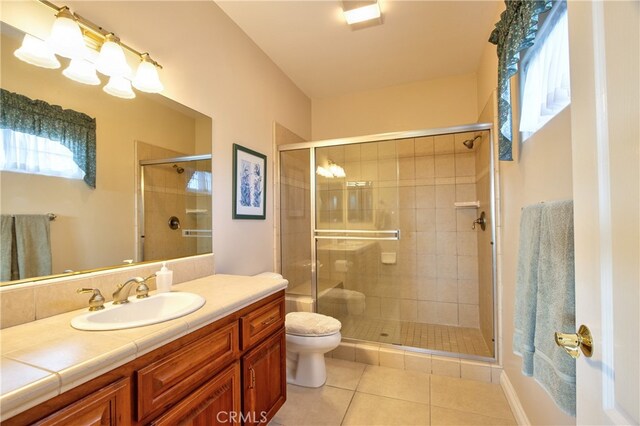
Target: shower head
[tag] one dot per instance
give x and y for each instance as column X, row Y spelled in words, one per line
column 179, row 169
column 469, row 142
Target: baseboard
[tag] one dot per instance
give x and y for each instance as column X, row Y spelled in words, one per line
column 514, row 401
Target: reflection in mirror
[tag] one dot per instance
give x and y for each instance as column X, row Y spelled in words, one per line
column 100, row 227
column 176, row 207
column 359, row 201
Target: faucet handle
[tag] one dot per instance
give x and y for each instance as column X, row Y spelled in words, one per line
column 142, row 290
column 96, row 302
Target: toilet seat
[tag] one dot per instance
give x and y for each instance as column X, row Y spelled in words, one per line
column 311, row 324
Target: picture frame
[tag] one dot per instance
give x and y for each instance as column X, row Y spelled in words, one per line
column 249, row 183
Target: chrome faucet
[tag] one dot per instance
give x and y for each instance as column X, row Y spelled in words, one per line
column 121, row 294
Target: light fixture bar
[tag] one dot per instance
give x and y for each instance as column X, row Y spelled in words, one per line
column 99, row 34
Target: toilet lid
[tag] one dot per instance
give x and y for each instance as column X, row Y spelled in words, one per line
column 311, row 324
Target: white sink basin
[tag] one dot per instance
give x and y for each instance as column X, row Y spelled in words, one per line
column 140, row 312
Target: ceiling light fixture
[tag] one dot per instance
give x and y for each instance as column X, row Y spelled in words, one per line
column 356, row 12
column 80, row 40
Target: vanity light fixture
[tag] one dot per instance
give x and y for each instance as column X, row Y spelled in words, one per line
column 111, row 60
column 120, row 87
column 66, row 36
column 146, row 78
column 331, row 171
column 356, row 12
column 80, row 40
column 36, row 52
column 82, row 71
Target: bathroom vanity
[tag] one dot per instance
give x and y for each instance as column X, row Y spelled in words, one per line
column 223, row 364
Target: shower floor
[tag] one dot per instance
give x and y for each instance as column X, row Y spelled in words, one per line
column 447, row 338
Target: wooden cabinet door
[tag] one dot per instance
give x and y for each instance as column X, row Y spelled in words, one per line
column 217, row 402
column 264, row 380
column 110, row 405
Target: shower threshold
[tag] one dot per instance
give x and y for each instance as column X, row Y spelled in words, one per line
column 436, row 337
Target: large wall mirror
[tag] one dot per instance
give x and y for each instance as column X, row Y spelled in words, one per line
column 152, row 199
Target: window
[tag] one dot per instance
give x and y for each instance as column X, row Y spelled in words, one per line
column 545, row 88
column 26, row 153
column 200, row 182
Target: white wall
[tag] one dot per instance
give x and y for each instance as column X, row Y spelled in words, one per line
column 210, row 65
column 425, row 104
column 541, row 171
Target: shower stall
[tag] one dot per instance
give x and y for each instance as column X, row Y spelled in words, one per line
column 174, row 207
column 394, row 236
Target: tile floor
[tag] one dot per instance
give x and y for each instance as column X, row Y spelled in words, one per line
column 359, row 394
column 447, row 338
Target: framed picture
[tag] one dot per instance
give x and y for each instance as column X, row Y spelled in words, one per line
column 249, row 183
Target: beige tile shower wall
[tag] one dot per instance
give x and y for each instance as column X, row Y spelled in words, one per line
column 435, row 277
column 24, row 303
column 485, row 247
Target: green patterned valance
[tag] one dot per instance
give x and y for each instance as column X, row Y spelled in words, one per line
column 74, row 130
column 515, row 31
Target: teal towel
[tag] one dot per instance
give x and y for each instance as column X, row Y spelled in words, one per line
column 33, row 244
column 553, row 368
column 6, row 238
column 527, row 286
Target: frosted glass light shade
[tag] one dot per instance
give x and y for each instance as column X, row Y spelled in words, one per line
column 66, row 37
column 36, row 52
column 82, row 71
column 120, row 87
column 147, row 79
column 361, row 14
column 111, row 60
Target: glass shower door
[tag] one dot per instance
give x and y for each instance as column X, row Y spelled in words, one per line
column 359, row 265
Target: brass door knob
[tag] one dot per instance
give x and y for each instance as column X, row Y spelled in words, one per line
column 571, row 342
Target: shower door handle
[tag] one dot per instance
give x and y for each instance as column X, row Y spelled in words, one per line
column 395, row 234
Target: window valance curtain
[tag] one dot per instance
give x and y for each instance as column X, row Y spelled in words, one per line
column 75, row 130
column 515, row 31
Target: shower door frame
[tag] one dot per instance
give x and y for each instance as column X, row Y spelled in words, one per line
column 140, row 231
column 478, row 127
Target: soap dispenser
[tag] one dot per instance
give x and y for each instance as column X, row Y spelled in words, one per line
column 164, row 279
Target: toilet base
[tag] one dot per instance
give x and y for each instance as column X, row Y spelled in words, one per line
column 305, row 359
column 306, row 369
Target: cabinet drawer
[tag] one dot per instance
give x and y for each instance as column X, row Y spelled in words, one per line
column 217, row 402
column 168, row 380
column 262, row 322
column 110, row 405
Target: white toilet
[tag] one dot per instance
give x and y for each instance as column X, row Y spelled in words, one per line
column 309, row 337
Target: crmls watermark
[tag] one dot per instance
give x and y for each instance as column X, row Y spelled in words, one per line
column 236, row 417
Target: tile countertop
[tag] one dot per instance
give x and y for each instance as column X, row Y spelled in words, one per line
column 45, row 358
